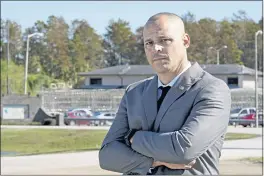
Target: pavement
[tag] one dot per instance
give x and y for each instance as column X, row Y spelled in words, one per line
column 83, row 163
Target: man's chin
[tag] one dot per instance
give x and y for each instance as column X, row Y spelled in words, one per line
column 161, row 68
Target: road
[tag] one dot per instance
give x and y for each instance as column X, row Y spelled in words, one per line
column 75, row 163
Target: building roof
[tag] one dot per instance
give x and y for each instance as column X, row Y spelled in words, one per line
column 146, row 70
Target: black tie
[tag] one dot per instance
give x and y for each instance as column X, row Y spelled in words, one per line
column 164, row 92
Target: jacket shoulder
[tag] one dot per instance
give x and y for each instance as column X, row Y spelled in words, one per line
column 139, row 84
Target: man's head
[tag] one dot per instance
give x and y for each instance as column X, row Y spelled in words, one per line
column 165, row 42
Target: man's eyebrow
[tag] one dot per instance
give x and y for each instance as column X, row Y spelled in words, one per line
column 164, row 36
column 148, row 40
column 160, row 37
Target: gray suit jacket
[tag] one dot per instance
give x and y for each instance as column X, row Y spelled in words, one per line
column 191, row 124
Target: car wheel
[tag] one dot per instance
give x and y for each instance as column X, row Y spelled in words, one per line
column 72, row 123
column 244, row 125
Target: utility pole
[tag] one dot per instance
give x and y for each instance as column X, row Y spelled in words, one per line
column 8, row 57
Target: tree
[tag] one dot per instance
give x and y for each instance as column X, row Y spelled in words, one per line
column 85, row 47
column 193, row 29
column 244, row 33
column 140, row 56
column 34, row 65
column 11, row 32
column 119, row 42
column 207, row 38
column 16, row 81
column 57, row 43
column 226, row 37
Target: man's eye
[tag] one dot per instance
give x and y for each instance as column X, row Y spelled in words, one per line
column 148, row 43
column 166, row 40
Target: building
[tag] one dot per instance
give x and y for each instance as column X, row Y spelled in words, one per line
column 235, row 76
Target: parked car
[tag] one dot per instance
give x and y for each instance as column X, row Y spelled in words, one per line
column 249, row 120
column 107, row 116
column 75, row 116
column 239, row 112
column 235, row 114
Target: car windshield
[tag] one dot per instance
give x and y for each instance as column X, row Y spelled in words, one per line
column 235, row 110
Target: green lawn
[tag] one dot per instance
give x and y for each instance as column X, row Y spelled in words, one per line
column 254, row 159
column 237, row 136
column 37, row 141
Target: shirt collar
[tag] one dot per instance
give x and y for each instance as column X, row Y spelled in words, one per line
column 174, row 79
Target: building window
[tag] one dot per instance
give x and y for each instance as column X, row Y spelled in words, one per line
column 95, row 81
column 232, row 82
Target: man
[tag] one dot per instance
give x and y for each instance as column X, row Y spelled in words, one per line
column 178, row 133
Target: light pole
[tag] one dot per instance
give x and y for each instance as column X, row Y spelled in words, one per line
column 256, row 74
column 26, row 63
column 217, row 51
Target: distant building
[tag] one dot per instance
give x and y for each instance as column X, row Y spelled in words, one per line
column 235, row 76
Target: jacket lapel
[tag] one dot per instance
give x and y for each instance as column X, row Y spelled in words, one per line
column 185, row 81
column 150, row 101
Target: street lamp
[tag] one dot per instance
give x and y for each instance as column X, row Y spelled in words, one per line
column 256, row 74
column 217, row 50
column 26, row 63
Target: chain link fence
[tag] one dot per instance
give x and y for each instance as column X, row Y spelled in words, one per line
column 242, row 98
column 97, row 100
column 101, row 100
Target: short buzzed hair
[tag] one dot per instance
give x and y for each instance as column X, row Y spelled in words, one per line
column 156, row 16
column 153, row 18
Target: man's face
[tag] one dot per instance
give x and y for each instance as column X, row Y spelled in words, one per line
column 165, row 44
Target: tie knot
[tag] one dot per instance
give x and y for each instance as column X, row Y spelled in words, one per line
column 165, row 89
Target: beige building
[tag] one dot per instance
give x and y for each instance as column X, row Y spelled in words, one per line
column 235, row 76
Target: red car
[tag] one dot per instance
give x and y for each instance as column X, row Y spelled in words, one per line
column 250, row 120
column 75, row 116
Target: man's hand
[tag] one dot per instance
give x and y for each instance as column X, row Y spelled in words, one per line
column 174, row 166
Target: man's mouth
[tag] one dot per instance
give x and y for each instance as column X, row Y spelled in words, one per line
column 160, row 58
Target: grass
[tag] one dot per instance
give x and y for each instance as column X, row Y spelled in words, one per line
column 237, row 136
column 258, row 160
column 39, row 141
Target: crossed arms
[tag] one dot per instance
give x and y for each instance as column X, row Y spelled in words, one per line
column 205, row 124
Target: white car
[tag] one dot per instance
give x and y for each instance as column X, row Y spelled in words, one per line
column 106, row 116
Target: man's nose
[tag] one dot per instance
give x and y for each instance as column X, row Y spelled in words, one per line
column 158, row 47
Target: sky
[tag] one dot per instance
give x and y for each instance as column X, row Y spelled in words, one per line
column 98, row 13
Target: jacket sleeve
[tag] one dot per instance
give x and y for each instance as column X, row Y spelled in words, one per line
column 207, row 122
column 115, row 155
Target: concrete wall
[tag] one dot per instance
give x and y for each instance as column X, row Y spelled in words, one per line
column 34, row 103
column 249, row 82
column 225, row 78
column 116, row 80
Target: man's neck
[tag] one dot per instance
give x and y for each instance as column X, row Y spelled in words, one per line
column 167, row 77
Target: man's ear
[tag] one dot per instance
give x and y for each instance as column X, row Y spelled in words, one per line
column 186, row 40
